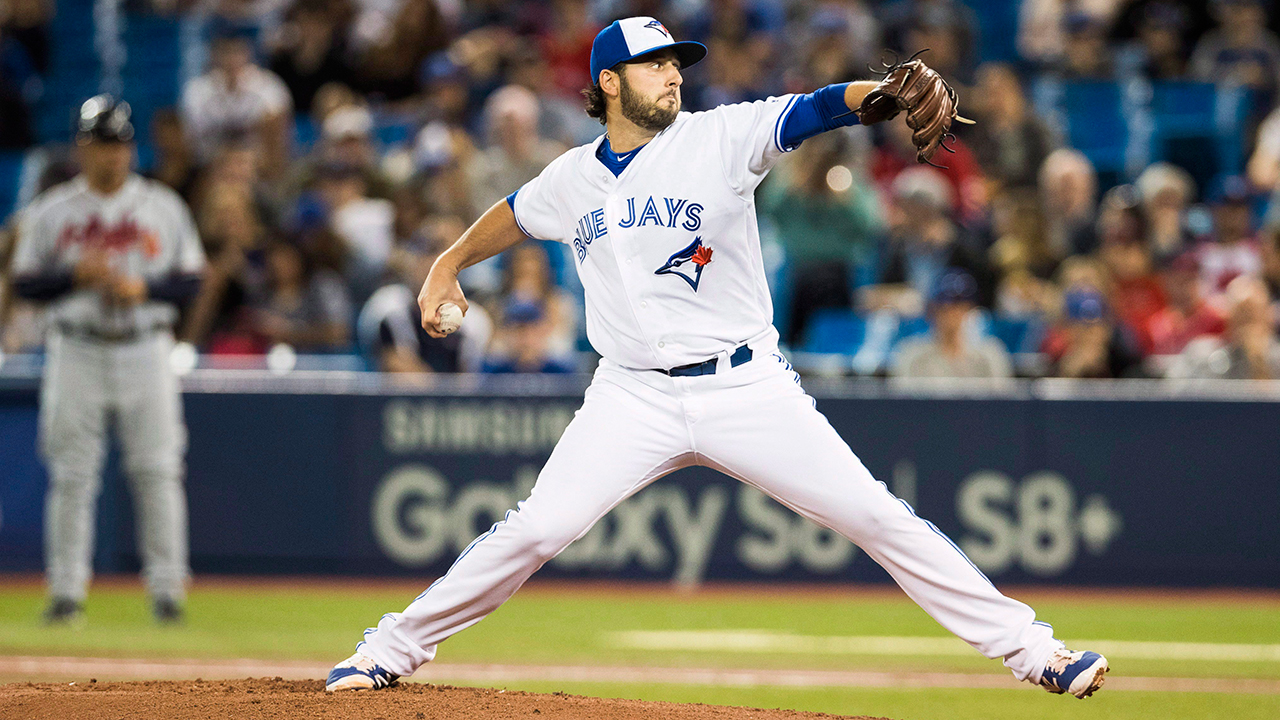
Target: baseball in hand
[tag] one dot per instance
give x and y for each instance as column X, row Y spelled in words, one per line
column 450, row 318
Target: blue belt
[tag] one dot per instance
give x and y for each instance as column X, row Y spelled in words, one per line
column 708, row 367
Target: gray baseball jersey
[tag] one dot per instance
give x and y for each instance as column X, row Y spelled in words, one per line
column 145, row 228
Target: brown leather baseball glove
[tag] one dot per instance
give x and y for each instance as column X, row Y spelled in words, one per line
column 929, row 101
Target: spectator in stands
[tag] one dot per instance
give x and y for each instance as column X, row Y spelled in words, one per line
column 1234, row 249
column 515, row 154
column 838, row 35
column 1009, row 141
column 1042, row 27
column 1264, row 163
column 737, row 74
column 1158, row 49
column 951, row 51
column 27, row 23
column 346, row 139
column 235, row 99
column 565, row 41
column 21, row 321
column 1137, row 295
column 390, row 43
column 1248, row 351
column 895, row 153
column 1087, row 55
column 1021, row 256
column 1241, row 51
column 310, row 50
column 15, row 118
column 949, row 21
column 560, row 118
column 1187, row 316
column 231, row 229
column 825, row 53
column 303, row 306
column 363, row 224
column 175, row 162
column 1088, row 343
column 923, row 242
column 828, row 220
column 1165, row 191
column 1271, row 257
column 390, row 325
column 950, row 351
column 529, row 276
column 1068, row 191
column 522, row 337
column 1018, row 229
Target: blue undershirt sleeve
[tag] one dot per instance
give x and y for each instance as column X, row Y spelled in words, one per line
column 43, row 287
column 178, row 288
column 815, row 113
column 511, row 200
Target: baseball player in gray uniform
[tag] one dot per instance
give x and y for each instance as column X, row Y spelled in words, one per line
column 112, row 254
column 660, row 213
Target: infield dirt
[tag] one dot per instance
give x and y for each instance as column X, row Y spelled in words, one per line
column 255, row 698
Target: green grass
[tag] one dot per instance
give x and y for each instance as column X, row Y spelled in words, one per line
column 555, row 626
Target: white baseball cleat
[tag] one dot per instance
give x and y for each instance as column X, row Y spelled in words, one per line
column 1079, row 673
column 358, row 673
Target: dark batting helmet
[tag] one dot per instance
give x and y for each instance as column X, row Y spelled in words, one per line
column 105, row 119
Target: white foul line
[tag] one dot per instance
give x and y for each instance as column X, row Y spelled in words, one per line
column 60, row 669
column 763, row 641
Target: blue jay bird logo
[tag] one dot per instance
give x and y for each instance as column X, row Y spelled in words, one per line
column 658, row 26
column 696, row 253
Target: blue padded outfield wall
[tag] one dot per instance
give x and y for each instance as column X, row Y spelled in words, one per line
column 1035, row 485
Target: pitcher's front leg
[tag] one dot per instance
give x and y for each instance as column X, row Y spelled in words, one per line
column 620, row 440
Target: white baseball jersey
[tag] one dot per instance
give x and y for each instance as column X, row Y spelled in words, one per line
column 145, row 228
column 669, row 255
column 668, row 251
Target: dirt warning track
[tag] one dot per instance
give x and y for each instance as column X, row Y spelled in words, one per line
column 255, row 699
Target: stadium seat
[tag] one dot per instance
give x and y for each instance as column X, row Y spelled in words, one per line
column 1096, row 122
column 834, row 331
column 11, row 163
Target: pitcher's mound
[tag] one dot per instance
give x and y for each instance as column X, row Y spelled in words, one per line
column 256, row 698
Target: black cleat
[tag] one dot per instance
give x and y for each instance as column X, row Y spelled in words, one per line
column 64, row 612
column 167, row 611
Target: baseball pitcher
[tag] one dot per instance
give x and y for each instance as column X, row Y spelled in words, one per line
column 112, row 254
column 660, row 214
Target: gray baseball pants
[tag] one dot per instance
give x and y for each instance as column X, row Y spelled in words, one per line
column 88, row 386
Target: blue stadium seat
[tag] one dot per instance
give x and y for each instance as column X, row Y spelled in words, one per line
column 1199, row 126
column 835, row 331
column 11, row 162
column 1019, row 335
column 1096, row 122
column 909, row 327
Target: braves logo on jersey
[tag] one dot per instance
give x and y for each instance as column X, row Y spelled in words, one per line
column 123, row 235
column 697, row 253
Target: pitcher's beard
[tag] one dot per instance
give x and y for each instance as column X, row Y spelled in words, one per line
column 646, row 114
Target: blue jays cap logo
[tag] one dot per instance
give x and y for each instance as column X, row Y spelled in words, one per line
column 696, row 253
column 659, row 27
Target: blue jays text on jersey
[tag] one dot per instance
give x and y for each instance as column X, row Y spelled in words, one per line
column 660, row 212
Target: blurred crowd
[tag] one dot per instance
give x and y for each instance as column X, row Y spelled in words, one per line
column 320, row 225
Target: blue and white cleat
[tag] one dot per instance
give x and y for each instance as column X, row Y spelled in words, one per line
column 358, row 673
column 1079, row 673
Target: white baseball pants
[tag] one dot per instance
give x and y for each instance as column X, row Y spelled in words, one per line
column 754, row 423
column 86, row 385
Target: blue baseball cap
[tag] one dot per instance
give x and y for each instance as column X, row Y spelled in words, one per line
column 629, row 38
column 1084, row 304
column 955, row 286
column 522, row 312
